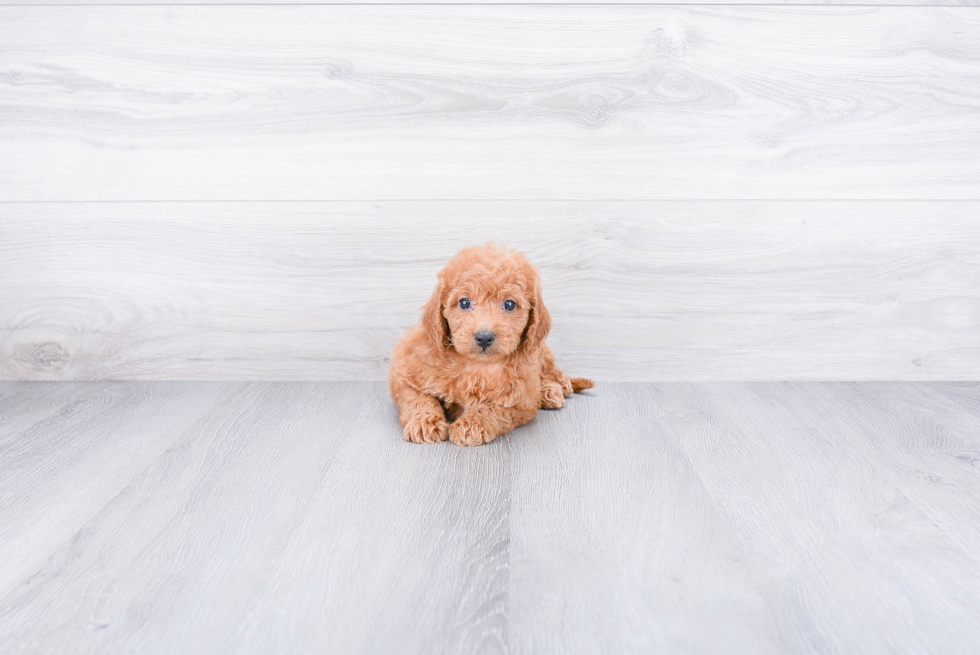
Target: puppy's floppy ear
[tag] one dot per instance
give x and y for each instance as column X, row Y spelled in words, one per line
column 538, row 320
column 434, row 323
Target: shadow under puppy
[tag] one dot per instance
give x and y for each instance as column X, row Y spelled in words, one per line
column 477, row 365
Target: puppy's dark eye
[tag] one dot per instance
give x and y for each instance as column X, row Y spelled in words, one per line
column 464, row 303
column 510, row 305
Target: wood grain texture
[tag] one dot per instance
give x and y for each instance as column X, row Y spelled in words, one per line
column 882, row 3
column 931, row 433
column 733, row 518
column 827, row 496
column 59, row 472
column 475, row 102
column 617, row 547
column 638, row 290
column 288, row 518
column 669, row 518
column 28, row 404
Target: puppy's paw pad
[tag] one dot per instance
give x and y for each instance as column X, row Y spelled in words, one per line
column 426, row 429
column 469, row 433
column 552, row 396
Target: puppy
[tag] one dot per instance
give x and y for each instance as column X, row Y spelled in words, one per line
column 477, row 365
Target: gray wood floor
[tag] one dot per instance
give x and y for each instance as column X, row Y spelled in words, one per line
column 177, row 517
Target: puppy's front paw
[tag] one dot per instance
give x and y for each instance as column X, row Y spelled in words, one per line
column 467, row 431
column 552, row 395
column 426, row 428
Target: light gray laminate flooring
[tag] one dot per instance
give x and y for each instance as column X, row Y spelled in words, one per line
column 177, row 517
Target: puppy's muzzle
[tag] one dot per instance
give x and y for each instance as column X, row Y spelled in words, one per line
column 484, row 339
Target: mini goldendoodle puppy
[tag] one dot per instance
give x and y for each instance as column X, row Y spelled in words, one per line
column 477, row 365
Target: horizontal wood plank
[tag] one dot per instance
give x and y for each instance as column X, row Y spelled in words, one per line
column 874, row 3
column 481, row 102
column 638, row 290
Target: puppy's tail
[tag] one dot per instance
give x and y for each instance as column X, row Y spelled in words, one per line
column 578, row 384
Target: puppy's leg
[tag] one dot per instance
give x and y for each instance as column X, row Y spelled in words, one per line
column 555, row 385
column 552, row 394
column 422, row 417
column 483, row 423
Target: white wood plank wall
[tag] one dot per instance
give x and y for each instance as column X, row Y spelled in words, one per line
column 736, row 192
column 639, row 290
column 870, row 3
column 489, row 102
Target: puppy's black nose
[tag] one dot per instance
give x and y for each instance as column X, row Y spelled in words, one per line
column 484, row 339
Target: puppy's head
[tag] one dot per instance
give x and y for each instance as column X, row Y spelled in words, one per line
column 487, row 304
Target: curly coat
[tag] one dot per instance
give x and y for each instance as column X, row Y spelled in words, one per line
column 448, row 383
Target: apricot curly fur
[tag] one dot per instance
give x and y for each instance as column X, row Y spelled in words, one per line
column 446, row 385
